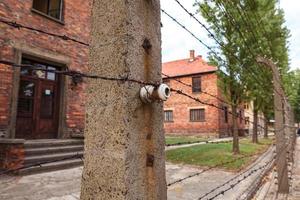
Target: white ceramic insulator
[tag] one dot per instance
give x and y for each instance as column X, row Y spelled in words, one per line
column 146, row 93
column 164, row 92
column 149, row 93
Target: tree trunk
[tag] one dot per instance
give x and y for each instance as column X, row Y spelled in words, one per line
column 255, row 125
column 265, row 127
column 235, row 144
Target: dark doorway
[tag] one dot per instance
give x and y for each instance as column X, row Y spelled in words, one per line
column 38, row 102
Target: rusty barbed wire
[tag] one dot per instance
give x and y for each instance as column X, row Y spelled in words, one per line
column 17, row 25
column 239, row 181
column 14, row 24
column 204, row 92
column 211, row 35
column 78, row 75
column 222, row 164
column 249, row 170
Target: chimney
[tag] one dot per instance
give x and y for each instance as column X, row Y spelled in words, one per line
column 192, row 55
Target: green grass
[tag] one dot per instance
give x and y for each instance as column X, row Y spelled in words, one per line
column 209, row 155
column 172, row 140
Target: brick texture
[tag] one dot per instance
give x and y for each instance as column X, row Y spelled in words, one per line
column 214, row 125
column 76, row 25
column 11, row 156
column 5, row 89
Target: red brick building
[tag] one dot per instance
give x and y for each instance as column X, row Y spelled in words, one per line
column 184, row 116
column 55, row 107
column 35, row 104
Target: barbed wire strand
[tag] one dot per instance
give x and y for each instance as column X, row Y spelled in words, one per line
column 238, row 175
column 17, row 25
column 222, row 164
column 78, row 74
column 217, row 41
column 239, row 181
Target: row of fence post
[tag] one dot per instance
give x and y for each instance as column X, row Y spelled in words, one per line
column 285, row 133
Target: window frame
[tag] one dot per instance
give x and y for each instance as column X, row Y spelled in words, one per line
column 168, row 119
column 47, row 65
column 247, row 120
column 46, row 15
column 192, row 119
column 199, row 88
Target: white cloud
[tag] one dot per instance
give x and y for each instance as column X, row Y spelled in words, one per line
column 291, row 9
column 176, row 42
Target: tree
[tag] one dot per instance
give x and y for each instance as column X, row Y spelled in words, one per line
column 269, row 38
column 293, row 87
column 227, row 58
column 246, row 29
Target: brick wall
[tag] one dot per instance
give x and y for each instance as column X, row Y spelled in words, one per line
column 214, row 124
column 76, row 25
column 11, row 155
column 5, row 89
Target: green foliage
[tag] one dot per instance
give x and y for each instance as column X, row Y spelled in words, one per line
column 293, row 91
column 246, row 29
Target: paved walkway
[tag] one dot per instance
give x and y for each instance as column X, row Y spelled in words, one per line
column 193, row 188
column 198, row 143
column 59, row 185
column 295, row 190
column 65, row 184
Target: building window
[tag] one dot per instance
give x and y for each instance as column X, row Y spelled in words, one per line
column 196, row 84
column 197, row 115
column 53, row 8
column 40, row 72
column 225, row 114
column 247, row 120
column 168, row 116
column 246, row 106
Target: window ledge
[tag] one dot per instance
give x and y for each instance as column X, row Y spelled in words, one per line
column 168, row 121
column 47, row 16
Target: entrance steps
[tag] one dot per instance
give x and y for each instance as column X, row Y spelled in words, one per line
column 50, row 155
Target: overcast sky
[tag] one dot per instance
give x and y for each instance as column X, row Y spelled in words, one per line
column 176, row 42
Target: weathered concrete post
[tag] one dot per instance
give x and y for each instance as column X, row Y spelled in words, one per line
column 124, row 140
column 281, row 146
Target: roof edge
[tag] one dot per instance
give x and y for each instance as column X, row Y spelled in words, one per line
column 192, row 74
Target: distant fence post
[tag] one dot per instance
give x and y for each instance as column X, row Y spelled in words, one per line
column 280, row 127
column 124, row 154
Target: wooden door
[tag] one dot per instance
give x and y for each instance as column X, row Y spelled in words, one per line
column 38, row 103
column 46, row 116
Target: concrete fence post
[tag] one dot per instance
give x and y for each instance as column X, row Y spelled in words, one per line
column 124, row 141
column 280, row 128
